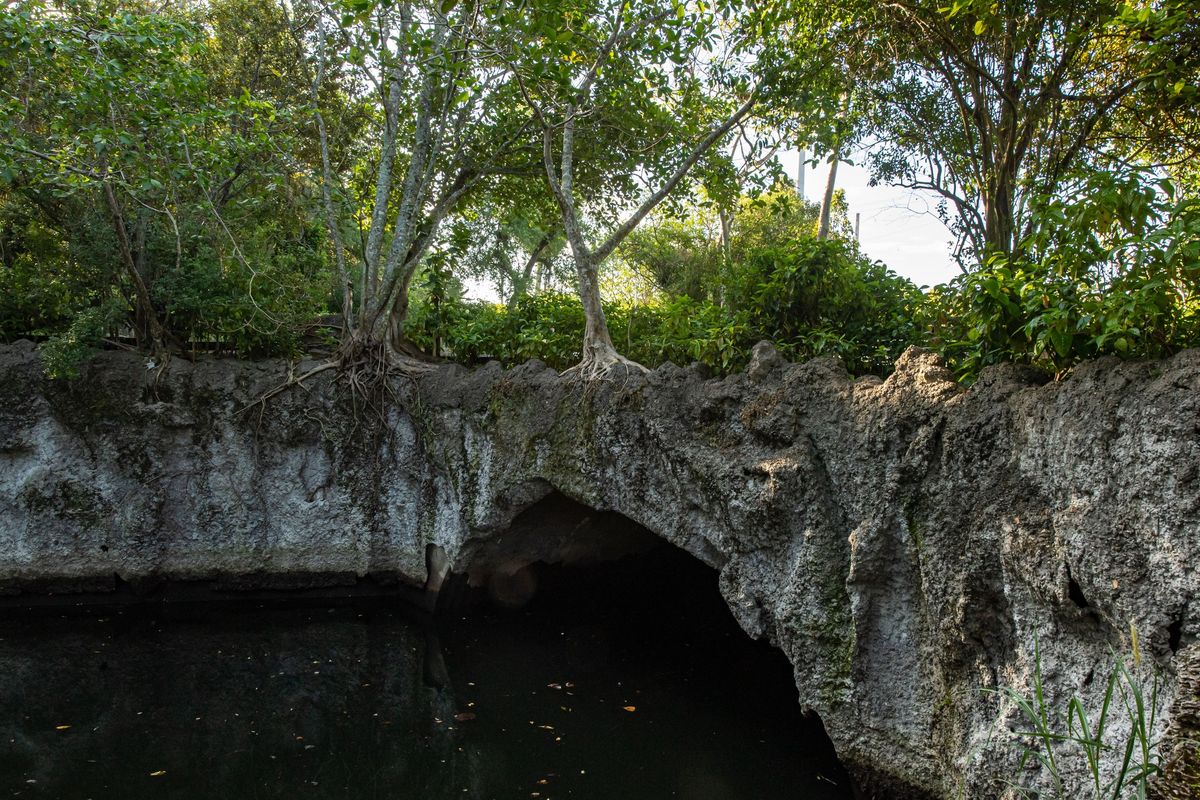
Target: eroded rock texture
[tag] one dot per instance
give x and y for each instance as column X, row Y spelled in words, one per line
column 905, row 542
column 1181, row 767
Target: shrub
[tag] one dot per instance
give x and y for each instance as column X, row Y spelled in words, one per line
column 1112, row 268
column 811, row 298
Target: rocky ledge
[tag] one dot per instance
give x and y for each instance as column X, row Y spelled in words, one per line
column 908, row 543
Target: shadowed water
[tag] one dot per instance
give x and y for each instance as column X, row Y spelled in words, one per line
column 632, row 686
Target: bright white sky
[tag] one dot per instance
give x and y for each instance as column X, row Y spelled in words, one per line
column 898, row 226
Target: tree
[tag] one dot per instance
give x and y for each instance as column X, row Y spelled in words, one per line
column 608, row 85
column 446, row 123
column 134, row 141
column 100, row 70
column 988, row 104
column 697, row 254
column 514, row 239
column 814, row 101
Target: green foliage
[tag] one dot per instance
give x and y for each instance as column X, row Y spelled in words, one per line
column 219, row 302
column 817, row 297
column 548, row 326
column 690, row 255
column 191, row 132
column 64, row 352
column 1113, row 268
column 680, row 255
column 140, row 123
column 40, row 287
column 810, row 297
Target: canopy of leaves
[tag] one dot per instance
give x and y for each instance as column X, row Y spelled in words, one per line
column 233, row 171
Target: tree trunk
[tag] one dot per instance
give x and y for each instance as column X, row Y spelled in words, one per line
column 521, row 282
column 147, row 328
column 598, row 347
column 827, row 198
column 726, row 217
column 835, row 157
column 999, row 227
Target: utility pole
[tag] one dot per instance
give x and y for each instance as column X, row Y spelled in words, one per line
column 857, row 220
column 800, row 174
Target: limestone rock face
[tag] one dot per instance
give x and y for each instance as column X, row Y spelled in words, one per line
column 908, row 543
column 1181, row 767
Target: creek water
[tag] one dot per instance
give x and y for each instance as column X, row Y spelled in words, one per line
column 609, row 683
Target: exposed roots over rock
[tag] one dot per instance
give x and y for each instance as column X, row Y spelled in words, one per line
column 365, row 367
column 602, row 362
column 292, row 380
column 367, row 364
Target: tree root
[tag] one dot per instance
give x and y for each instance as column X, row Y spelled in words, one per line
column 292, row 380
column 365, row 368
column 603, row 363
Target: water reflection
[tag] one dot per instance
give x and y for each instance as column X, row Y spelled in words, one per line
column 243, row 704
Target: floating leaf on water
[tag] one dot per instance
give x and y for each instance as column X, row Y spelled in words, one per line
column 630, row 708
column 465, row 716
column 158, row 773
column 61, row 727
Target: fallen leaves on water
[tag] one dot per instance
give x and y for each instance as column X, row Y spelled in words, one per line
column 630, row 708
column 61, row 727
column 158, row 773
column 465, row 716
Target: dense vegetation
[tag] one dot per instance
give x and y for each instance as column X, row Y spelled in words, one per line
column 254, row 178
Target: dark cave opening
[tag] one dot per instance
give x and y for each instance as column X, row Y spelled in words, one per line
column 629, row 609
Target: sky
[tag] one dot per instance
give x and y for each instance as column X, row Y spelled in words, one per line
column 898, row 226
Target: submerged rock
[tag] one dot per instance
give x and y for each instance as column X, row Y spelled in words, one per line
column 908, row 543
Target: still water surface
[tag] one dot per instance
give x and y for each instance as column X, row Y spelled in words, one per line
column 650, row 695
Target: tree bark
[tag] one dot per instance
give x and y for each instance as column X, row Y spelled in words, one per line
column 521, row 282
column 999, row 225
column 597, row 342
column 331, row 216
column 147, row 328
column 835, row 157
column 827, row 198
column 726, row 218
